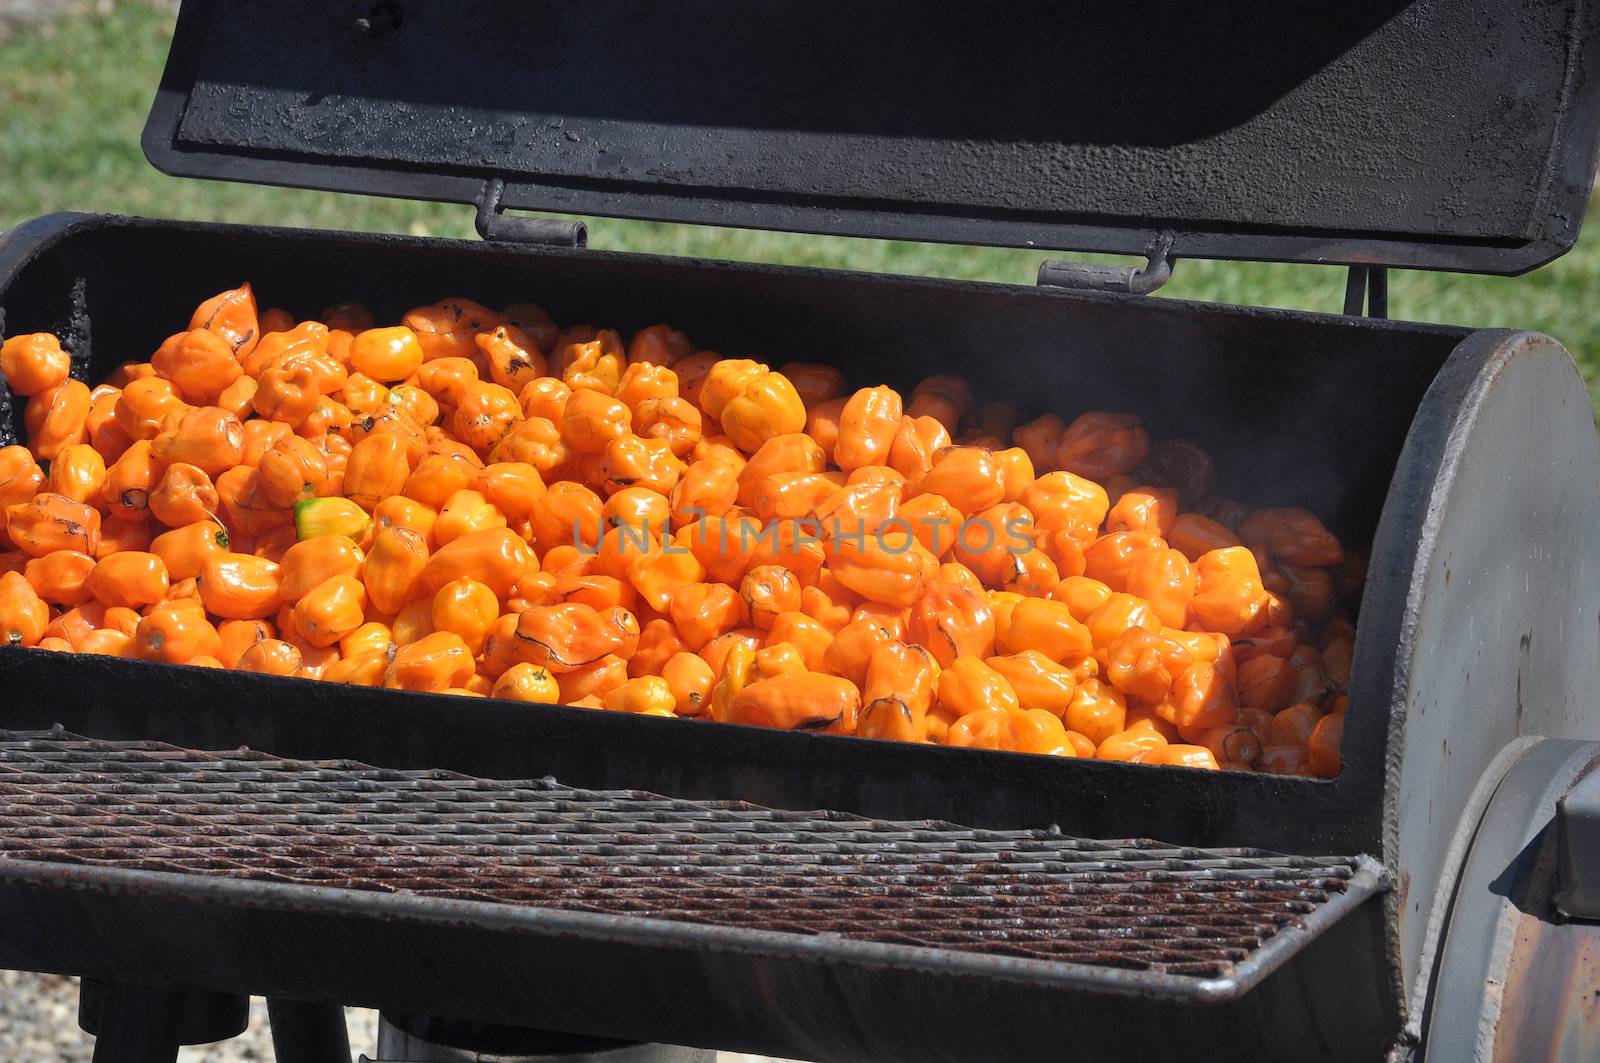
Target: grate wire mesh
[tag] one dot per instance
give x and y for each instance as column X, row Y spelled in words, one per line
column 1135, row 905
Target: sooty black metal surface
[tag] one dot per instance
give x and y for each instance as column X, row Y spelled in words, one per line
column 1178, row 916
column 1454, row 134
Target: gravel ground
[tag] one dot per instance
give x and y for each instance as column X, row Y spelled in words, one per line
column 39, row 1024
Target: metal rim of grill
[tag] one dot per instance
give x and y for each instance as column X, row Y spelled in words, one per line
column 626, row 865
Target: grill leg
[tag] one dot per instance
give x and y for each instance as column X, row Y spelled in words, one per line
column 138, row 1025
column 308, row 1033
column 116, row 1012
column 422, row 1039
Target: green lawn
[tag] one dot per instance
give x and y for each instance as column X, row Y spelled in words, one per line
column 74, row 94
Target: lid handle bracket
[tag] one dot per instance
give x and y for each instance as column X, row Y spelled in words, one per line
column 1124, row 280
column 493, row 224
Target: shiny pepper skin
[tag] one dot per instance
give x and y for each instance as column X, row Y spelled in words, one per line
column 484, row 416
column 495, row 556
column 1178, row 756
column 33, row 362
column 1013, row 730
column 435, row 662
column 130, row 578
column 915, row 445
column 593, row 419
column 293, row 468
column 232, row 315
column 467, row 608
column 183, row 495
column 1229, row 597
column 765, row 405
column 950, row 621
column 660, row 344
column 868, row 425
column 806, row 701
column 891, row 567
column 331, row 610
column 971, row 685
column 527, row 682
column 23, row 614
column 632, row 461
column 57, row 417
column 768, row 590
column 200, row 364
column 176, row 632
column 464, row 512
column 287, row 393
column 144, row 405
column 1048, row 627
column 851, row 651
column 387, row 355
column 1165, row 579
column 239, row 586
column 271, row 657
column 449, row 327
column 898, row 693
column 966, row 477
column 690, row 678
column 100, row 427
column 702, row 611
column 61, row 577
column 567, row 637
column 1146, row 509
column 648, row 695
column 185, row 550
column 20, row 477
column 1039, row 682
column 79, row 473
column 674, row 421
column 590, row 359
column 1145, row 664
column 311, row 562
column 378, row 467
column 49, row 522
column 477, row 502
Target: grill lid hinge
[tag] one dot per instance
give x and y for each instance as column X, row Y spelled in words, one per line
column 1124, row 280
column 1369, row 285
column 492, row 224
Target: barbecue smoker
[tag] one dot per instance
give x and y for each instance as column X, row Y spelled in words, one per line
column 480, row 870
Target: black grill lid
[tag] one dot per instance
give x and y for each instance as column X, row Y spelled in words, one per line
column 1450, row 134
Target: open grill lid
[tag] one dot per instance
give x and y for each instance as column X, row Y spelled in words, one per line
column 1445, row 134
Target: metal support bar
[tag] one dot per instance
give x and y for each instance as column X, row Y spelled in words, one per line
column 138, row 1025
column 1124, row 280
column 308, row 1033
column 549, row 232
column 202, row 1017
column 1369, row 285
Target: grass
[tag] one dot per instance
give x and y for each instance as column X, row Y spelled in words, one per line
column 74, row 93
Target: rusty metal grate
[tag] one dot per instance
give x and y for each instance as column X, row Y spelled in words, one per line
column 1133, row 905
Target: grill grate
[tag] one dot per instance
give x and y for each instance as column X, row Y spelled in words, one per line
column 1133, row 905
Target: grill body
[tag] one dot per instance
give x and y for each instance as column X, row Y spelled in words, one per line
column 1467, row 461
column 1283, row 400
column 827, row 936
